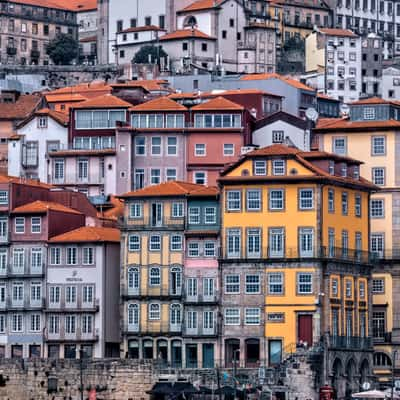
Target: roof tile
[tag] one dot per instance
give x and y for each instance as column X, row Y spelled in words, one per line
column 201, row 5
column 88, row 234
column 41, row 207
column 290, row 81
column 338, row 32
column 186, row 33
column 159, row 104
column 105, row 101
column 218, row 103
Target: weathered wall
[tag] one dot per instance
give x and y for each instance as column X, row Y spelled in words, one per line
column 113, row 379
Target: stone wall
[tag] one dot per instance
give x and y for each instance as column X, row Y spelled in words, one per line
column 60, row 379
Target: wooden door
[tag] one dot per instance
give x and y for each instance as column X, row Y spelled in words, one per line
column 305, row 329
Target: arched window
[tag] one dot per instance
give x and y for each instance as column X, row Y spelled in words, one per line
column 382, row 360
column 176, row 314
column 154, row 311
column 133, row 314
column 190, row 20
column 155, row 276
column 133, row 278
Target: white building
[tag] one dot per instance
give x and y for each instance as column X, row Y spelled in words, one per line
column 337, row 54
column 391, row 83
column 28, row 151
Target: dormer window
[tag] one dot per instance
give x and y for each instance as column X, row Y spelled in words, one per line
column 42, row 122
column 331, row 167
column 344, row 170
column 369, row 113
column 278, row 167
column 260, row 167
column 356, row 172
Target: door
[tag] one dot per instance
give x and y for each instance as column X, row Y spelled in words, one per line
column 208, row 355
column 274, row 352
column 156, row 214
column 305, row 329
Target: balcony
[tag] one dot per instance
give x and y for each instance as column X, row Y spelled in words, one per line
column 159, row 327
column 25, row 303
column 201, row 299
column 35, row 54
column 350, row 342
column 77, row 336
column 25, row 270
column 152, row 291
column 11, row 51
column 200, row 331
column 154, row 224
column 78, row 305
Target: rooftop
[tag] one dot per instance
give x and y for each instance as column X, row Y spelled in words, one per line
column 333, row 124
column 159, row 104
column 338, row 32
column 24, row 181
column 147, row 84
column 173, row 189
column 375, row 100
column 21, row 109
column 186, row 33
column 64, row 97
column 58, row 116
column 218, row 103
column 41, row 207
column 141, row 29
column 89, row 234
column 70, row 5
column 201, row 5
column 220, row 92
column 290, row 81
column 104, row 101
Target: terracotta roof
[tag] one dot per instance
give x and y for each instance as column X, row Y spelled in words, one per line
column 24, row 181
column 59, row 117
column 313, row 155
column 88, row 234
column 375, row 100
column 21, row 109
column 115, row 211
column 326, row 97
column 87, row 152
column 159, row 104
column 70, row 5
column 89, row 90
column 218, row 92
column 41, row 207
column 141, row 29
column 147, row 84
column 201, row 5
column 346, row 124
column 186, row 33
column 338, row 32
column 105, row 101
column 219, row 103
column 304, row 3
column 88, row 39
column 290, row 81
column 274, row 150
column 64, row 97
column 172, row 189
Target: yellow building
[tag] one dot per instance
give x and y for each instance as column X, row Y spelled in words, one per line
column 300, row 221
column 371, row 133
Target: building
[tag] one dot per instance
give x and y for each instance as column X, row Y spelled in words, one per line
column 31, row 25
column 295, row 263
column 391, row 83
column 82, row 307
column 370, row 132
column 168, row 307
column 372, row 56
column 335, row 54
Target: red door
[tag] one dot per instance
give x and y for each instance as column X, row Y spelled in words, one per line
column 305, row 329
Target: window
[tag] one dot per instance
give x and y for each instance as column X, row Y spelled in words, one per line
column 378, row 324
column 253, row 284
column 170, row 174
column 58, row 169
column 87, row 294
column 3, row 260
column 232, row 284
column 340, row 145
column 210, row 215
column 304, row 283
column 253, row 200
column 87, row 324
column 154, row 311
column 232, row 316
column 172, row 146
column 331, row 200
column 278, row 136
column 233, row 200
column 3, row 197
column 18, row 259
column 208, row 320
column 345, row 206
column 176, row 243
column 35, row 323
column 20, row 225
column 2, row 327
column 361, row 289
column 54, row 294
column 17, row 292
column 253, row 243
column 275, row 283
column 70, row 324
column 192, row 287
column 377, row 243
column 191, row 319
column 193, row 249
column 204, row 47
column 36, row 258
column 88, row 255
column 175, row 314
column 252, row 316
column 155, row 276
column 260, row 167
column 136, row 210
column 155, row 146
column 155, row 243
column 233, row 238
column 54, row 324
column 229, row 149
column 276, row 317
column 134, row 242
column 72, row 255
column 349, row 288
column 155, row 176
column 357, row 205
column 17, row 323
column 278, row 167
column 70, row 294
column 200, row 178
column 378, row 286
column 194, row 215
column 276, row 199
column 147, row 21
column 140, row 146
column 276, row 242
column 306, row 199
column 378, row 145
column 139, row 178
column 369, row 113
column 378, row 176
column 334, row 287
column 200, row 150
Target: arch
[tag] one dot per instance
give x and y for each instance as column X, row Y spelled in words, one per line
column 190, row 20
column 162, row 351
column 381, row 359
column 364, row 371
column 337, row 373
column 133, row 348
column 351, row 381
column 155, row 276
column 252, row 352
column 133, row 315
column 232, row 351
column 133, row 279
column 176, row 353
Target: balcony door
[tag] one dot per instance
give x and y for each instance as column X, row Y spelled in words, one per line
column 156, row 214
column 305, row 329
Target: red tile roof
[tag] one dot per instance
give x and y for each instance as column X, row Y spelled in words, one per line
column 64, row 97
column 88, row 234
column 148, row 84
column 290, row 81
column 173, row 189
column 41, row 207
column 115, row 211
column 185, row 34
column 141, row 29
column 375, row 100
column 274, row 150
column 105, row 101
column 88, row 90
column 159, row 104
column 58, row 116
column 338, row 32
column 88, row 39
column 218, row 93
column 24, row 181
column 219, row 103
column 334, row 124
column 21, row 109
column 70, row 5
column 200, row 5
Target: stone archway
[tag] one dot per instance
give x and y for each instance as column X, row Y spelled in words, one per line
column 365, row 371
column 337, row 378
column 351, row 378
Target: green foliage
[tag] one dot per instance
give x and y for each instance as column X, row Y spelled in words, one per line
column 156, row 53
column 63, row 49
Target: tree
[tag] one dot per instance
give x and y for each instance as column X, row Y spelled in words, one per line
column 149, row 54
column 63, row 49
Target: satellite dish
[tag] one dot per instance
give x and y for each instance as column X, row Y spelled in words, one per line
column 312, row 114
column 344, row 109
column 366, row 386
